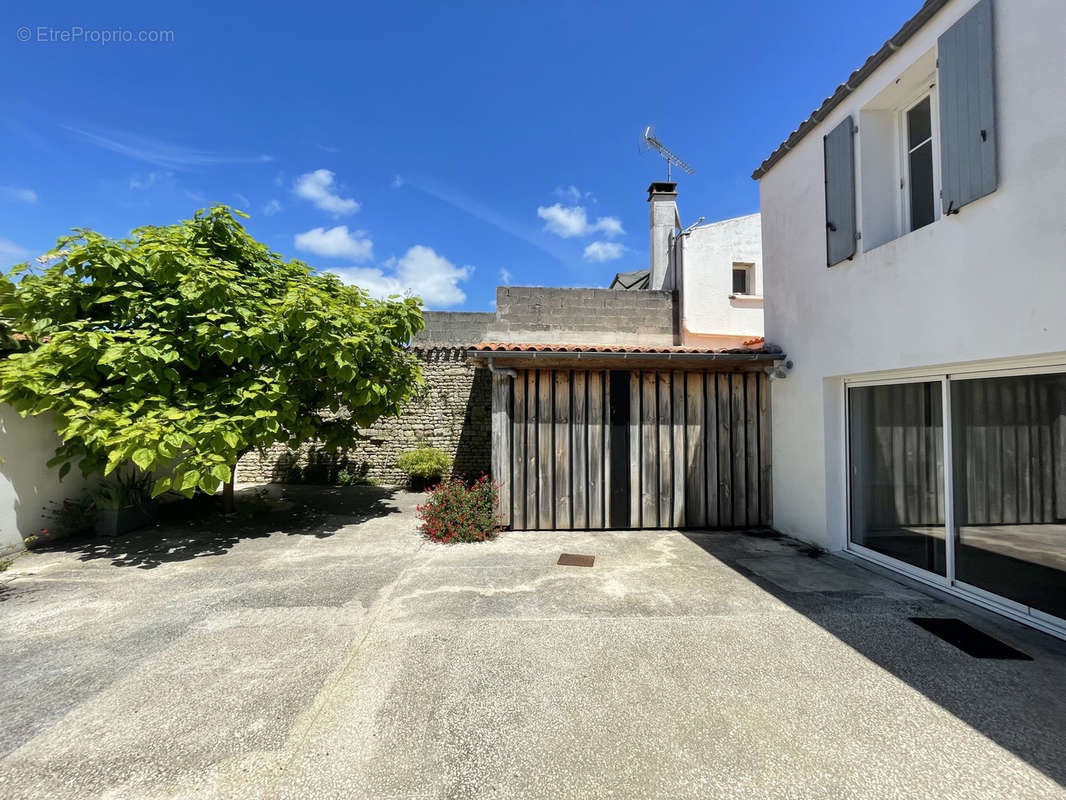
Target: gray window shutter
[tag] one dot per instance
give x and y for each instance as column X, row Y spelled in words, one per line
column 840, row 193
column 967, row 109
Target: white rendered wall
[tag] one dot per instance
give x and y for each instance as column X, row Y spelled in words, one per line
column 987, row 283
column 28, row 488
column 707, row 255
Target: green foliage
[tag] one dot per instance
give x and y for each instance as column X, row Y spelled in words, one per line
column 425, row 463
column 181, row 348
column 456, row 512
column 122, row 490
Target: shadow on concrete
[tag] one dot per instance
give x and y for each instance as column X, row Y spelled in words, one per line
column 197, row 528
column 1019, row 705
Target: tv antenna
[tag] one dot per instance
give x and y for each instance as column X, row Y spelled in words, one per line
column 649, row 142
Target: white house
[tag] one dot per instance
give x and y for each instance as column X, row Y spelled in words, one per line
column 716, row 270
column 914, row 242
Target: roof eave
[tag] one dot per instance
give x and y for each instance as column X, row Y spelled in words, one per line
column 512, row 356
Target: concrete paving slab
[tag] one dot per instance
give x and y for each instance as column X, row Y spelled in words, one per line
column 330, row 651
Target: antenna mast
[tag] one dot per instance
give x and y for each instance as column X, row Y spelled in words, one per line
column 650, row 142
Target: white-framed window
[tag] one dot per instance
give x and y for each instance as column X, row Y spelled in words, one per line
column 743, row 278
column 920, row 166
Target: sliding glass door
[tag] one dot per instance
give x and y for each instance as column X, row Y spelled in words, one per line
column 1008, row 445
column 1001, row 532
column 896, row 440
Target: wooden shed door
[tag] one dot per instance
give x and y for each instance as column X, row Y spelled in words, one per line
column 681, row 450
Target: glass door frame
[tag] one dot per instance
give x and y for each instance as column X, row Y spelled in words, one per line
column 948, row 582
column 942, row 581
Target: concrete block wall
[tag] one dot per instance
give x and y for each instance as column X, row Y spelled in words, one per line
column 455, row 327
column 552, row 315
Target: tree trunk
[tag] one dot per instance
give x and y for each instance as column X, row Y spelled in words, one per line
column 228, row 506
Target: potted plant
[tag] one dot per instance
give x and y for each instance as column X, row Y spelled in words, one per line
column 424, row 467
column 123, row 504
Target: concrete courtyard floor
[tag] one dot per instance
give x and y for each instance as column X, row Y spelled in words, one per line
column 329, row 651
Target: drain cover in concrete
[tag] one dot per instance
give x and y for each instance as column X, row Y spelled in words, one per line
column 575, row 560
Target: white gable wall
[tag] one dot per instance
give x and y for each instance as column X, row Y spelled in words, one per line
column 707, row 255
column 986, row 283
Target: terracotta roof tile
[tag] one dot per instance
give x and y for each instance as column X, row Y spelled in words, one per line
column 757, row 345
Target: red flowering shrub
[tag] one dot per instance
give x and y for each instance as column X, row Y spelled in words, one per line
column 456, row 512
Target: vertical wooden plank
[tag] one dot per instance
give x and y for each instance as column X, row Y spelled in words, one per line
column 532, row 452
column 766, row 471
column 501, row 444
column 579, row 464
column 663, row 383
column 594, row 445
column 678, row 430
column 751, row 447
column 545, row 452
column 649, row 451
column 740, row 494
column 725, row 451
column 562, row 445
column 710, row 447
column 636, row 417
column 518, row 454
column 605, row 511
column 693, row 464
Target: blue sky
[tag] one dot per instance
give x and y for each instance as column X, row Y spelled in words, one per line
column 445, row 146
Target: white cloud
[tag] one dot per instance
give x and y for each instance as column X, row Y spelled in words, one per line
column 570, row 194
column 244, row 201
column 272, row 208
column 570, row 222
column 397, row 182
column 320, row 189
column 603, row 251
column 336, row 243
column 162, row 154
column 505, row 277
column 420, row 272
column 149, row 180
column 11, row 253
column 19, row 194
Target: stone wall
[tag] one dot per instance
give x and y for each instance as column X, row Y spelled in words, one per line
column 453, row 413
column 584, row 316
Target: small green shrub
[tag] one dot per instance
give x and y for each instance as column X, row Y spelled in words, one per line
column 456, row 512
column 424, row 464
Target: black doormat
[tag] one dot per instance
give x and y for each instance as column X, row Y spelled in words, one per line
column 968, row 639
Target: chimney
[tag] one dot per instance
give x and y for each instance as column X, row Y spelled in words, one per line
column 662, row 198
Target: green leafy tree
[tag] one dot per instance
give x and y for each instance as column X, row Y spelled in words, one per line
column 183, row 347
